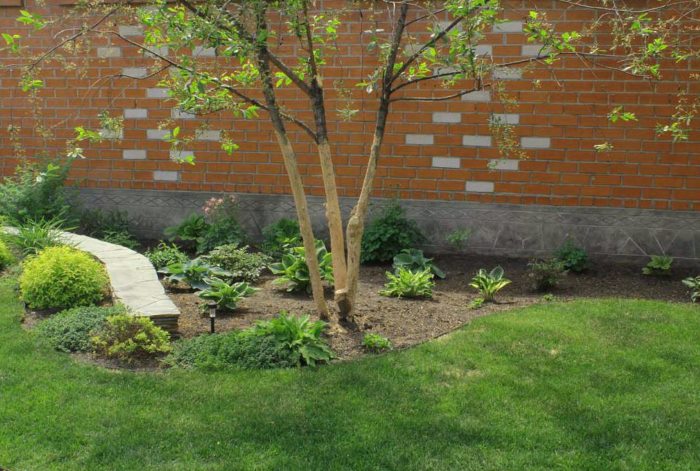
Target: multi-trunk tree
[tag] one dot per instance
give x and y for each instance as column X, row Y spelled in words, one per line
column 409, row 44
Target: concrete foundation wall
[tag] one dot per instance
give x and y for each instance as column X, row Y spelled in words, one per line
column 505, row 229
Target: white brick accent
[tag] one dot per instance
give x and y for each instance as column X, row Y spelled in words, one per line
column 533, row 50
column 479, row 187
column 130, row 30
column 507, row 118
column 161, row 51
column 157, row 134
column 504, row 164
column 507, row 73
column 111, row 134
column 135, row 113
column 210, row 135
column 484, row 50
column 508, row 27
column 134, row 154
column 476, row 141
column 478, row 96
column 177, row 113
column 535, row 142
column 178, row 155
column 447, row 162
column 138, row 72
column 420, row 139
column 202, row 51
column 441, row 117
column 157, row 93
column 166, row 175
column 107, row 52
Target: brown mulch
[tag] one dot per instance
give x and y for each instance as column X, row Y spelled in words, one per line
column 408, row 322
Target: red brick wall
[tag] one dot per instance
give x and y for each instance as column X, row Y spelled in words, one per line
column 432, row 150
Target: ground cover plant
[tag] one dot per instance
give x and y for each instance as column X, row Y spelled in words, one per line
column 72, row 330
column 130, row 338
column 574, row 258
column 376, row 343
column 62, row 278
column 165, row 254
column 111, row 226
column 242, row 264
column 593, row 384
column 659, row 265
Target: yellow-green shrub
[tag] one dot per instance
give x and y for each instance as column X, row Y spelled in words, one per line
column 62, row 278
column 6, row 257
column 128, row 338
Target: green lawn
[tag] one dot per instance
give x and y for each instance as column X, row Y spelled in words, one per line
column 600, row 385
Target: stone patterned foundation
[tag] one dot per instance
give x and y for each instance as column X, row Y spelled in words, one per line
column 516, row 230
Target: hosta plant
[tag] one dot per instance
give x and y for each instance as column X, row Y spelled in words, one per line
column 489, row 283
column 659, row 265
column 299, row 335
column 294, row 272
column 408, row 284
column 226, row 295
column 194, row 273
column 414, row 260
column 694, row 285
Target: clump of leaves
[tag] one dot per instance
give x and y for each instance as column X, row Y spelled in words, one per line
column 280, row 237
column 62, row 278
column 129, row 338
column 239, row 261
column 70, row 331
column 6, row 257
column 224, row 228
column 414, row 260
column 575, row 258
column 294, row 272
column 476, row 303
column 458, row 238
column 489, row 283
column 375, row 343
column 299, row 335
column 191, row 229
column 659, row 265
column 194, row 273
column 545, row 274
column 226, row 295
column 37, row 191
column 165, row 254
column 549, row 297
column 408, row 284
column 111, row 226
column 694, row 285
column 34, row 236
column 389, row 234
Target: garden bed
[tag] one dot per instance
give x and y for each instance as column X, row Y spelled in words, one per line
column 408, row 322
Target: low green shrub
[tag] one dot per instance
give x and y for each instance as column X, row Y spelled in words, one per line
column 111, row 226
column 573, row 257
column 34, row 236
column 414, row 260
column 6, row 257
column 375, row 343
column 281, row 236
column 546, row 274
column 129, row 338
column 191, row 229
column 70, row 331
column 458, row 238
column 230, row 350
column 242, row 264
column 659, row 265
column 193, row 272
column 61, row 278
column 489, row 283
column 36, row 191
column 694, row 285
column 408, row 284
column 389, row 234
column 226, row 295
column 283, row 342
column 165, row 254
column 294, row 272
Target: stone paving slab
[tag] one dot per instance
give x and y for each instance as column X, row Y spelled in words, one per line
column 133, row 279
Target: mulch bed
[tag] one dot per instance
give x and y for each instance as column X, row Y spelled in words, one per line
column 408, row 322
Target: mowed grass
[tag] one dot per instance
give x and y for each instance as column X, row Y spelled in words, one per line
column 599, row 385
